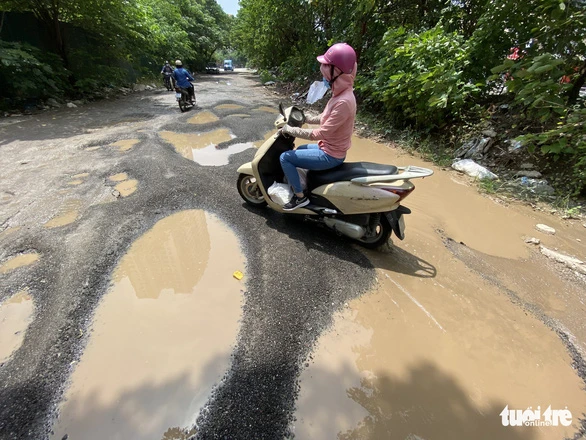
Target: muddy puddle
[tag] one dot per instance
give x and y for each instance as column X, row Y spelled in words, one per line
column 9, row 231
column 161, row 337
column 438, row 349
column 203, row 118
column 16, row 314
column 266, row 110
column 212, row 156
column 67, row 214
column 80, row 176
column 127, row 187
column 21, row 260
column 75, row 182
column 187, row 144
column 229, row 107
column 125, row 144
column 238, row 115
column 120, row 177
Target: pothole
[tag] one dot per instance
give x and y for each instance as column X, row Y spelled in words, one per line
column 125, row 144
column 67, row 214
column 127, row 187
column 212, row 156
column 161, row 337
column 229, row 107
column 186, row 143
column 118, row 177
column 203, row 118
column 8, row 231
column 266, row 110
column 15, row 316
column 238, row 115
column 20, row 260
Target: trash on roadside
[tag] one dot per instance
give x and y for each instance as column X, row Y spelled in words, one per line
column 468, row 166
column 514, row 146
column 474, row 149
column 269, row 83
column 316, row 92
column 238, row 275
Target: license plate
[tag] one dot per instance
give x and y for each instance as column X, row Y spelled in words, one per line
column 178, row 96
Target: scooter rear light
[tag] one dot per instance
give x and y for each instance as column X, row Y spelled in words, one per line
column 401, row 192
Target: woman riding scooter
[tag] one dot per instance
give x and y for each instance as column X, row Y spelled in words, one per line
column 338, row 67
column 182, row 78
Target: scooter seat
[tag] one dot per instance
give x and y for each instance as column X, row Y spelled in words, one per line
column 348, row 171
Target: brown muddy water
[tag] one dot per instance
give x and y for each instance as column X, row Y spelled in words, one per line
column 203, row 118
column 161, row 337
column 125, row 144
column 186, row 144
column 68, row 213
column 16, row 313
column 438, row 349
column 21, row 260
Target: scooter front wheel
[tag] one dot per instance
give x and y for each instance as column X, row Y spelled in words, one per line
column 380, row 236
column 249, row 191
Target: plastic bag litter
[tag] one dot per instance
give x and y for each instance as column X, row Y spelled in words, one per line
column 316, row 92
column 280, row 193
column 471, row 168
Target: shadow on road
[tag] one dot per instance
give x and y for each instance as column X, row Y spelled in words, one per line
column 318, row 237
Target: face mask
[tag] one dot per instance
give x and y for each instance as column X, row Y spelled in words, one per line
column 326, row 83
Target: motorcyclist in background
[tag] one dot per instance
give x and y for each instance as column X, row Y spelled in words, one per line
column 167, row 72
column 183, row 78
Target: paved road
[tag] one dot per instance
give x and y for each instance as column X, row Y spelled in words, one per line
column 64, row 215
column 298, row 275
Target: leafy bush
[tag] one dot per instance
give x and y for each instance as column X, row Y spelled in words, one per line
column 419, row 79
column 567, row 138
column 27, row 72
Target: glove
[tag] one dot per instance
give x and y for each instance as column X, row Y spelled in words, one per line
column 303, row 133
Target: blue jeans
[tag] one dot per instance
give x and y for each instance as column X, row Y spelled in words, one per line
column 309, row 157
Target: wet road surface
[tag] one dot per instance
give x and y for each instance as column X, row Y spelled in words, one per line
column 121, row 230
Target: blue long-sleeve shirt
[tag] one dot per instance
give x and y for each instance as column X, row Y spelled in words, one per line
column 182, row 77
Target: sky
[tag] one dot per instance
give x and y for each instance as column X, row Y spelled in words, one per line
column 229, row 6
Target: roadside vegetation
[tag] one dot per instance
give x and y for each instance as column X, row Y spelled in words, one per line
column 433, row 74
column 76, row 48
column 436, row 73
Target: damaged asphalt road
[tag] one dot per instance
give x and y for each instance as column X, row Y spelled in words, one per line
column 294, row 270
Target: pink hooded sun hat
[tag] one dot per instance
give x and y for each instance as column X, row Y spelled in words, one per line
column 340, row 55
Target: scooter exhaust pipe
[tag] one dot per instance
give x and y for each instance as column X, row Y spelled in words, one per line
column 349, row 229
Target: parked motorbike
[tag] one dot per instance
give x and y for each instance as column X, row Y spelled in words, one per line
column 183, row 98
column 360, row 200
column 168, row 81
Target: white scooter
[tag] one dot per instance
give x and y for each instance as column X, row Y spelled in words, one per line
column 361, row 200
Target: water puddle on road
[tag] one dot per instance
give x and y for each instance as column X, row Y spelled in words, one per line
column 438, row 349
column 21, row 260
column 92, row 148
column 203, row 118
column 127, row 187
column 80, row 176
column 67, row 214
column 75, row 182
column 186, row 143
column 212, row 156
column 229, row 107
column 125, row 144
column 118, row 177
column 9, row 231
column 15, row 316
column 266, row 110
column 238, row 115
column 161, row 337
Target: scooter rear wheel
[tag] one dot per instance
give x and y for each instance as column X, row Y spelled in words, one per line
column 381, row 236
column 249, row 191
